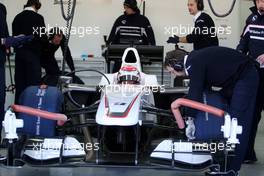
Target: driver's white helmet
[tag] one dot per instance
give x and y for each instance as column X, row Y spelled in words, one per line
column 128, row 75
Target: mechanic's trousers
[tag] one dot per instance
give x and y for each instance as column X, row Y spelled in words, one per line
column 2, row 88
column 242, row 107
column 251, row 155
column 27, row 70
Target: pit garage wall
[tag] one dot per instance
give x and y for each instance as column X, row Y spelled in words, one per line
column 98, row 16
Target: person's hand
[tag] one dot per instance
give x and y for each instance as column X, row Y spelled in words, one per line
column 8, row 51
column 190, row 129
column 175, row 39
column 260, row 60
column 17, row 41
column 73, row 73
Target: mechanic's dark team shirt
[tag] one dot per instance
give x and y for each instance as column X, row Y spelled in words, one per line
column 252, row 40
column 48, row 60
column 204, row 34
column 132, row 26
column 212, row 66
column 28, row 22
column 3, row 25
column 3, row 32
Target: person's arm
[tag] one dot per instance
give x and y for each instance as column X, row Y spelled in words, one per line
column 243, row 44
column 43, row 37
column 150, row 33
column 196, row 34
column 15, row 27
column 2, row 41
column 69, row 59
column 3, row 24
column 244, row 38
column 113, row 33
column 260, row 60
column 16, row 41
column 197, row 86
column 4, row 33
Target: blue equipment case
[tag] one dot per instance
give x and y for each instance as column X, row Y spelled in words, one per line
column 208, row 126
column 44, row 98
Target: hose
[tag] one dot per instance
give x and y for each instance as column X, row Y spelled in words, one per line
column 69, row 20
column 87, row 138
column 61, row 118
column 195, row 105
column 222, row 15
column 92, row 70
column 70, row 11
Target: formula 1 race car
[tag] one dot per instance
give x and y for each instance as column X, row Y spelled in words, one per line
column 122, row 128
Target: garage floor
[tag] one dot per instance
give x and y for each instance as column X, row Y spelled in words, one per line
column 256, row 169
column 88, row 172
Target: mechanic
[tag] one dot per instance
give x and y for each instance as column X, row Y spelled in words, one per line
column 230, row 70
column 27, row 60
column 204, row 33
column 6, row 42
column 55, row 40
column 252, row 44
column 177, row 54
column 131, row 28
column 3, row 34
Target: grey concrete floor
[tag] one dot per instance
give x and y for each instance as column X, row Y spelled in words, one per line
column 89, row 172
